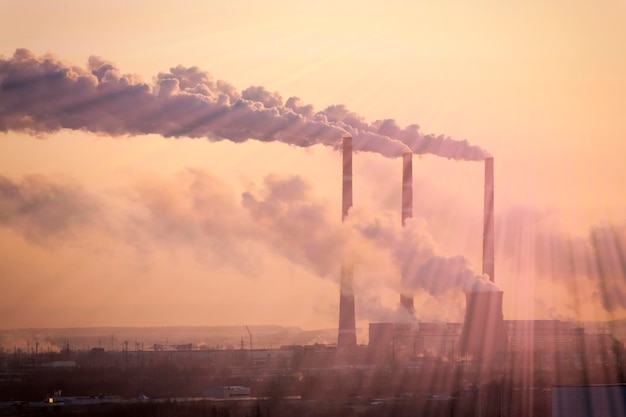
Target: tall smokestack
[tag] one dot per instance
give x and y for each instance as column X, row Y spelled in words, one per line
column 406, row 301
column 407, row 186
column 488, row 223
column 347, row 321
column 346, row 191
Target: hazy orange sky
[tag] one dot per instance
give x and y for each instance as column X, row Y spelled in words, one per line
column 142, row 230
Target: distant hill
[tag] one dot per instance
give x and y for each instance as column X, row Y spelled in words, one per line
column 200, row 337
column 145, row 338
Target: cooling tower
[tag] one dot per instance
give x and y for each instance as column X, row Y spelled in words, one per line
column 406, row 300
column 347, row 322
column 483, row 333
column 488, row 223
column 380, row 342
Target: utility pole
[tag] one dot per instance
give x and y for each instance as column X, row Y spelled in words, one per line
column 501, row 395
column 250, row 334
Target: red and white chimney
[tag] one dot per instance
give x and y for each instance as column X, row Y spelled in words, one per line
column 347, row 321
column 406, row 300
column 488, row 223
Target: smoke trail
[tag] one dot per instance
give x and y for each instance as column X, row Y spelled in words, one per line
column 285, row 210
column 43, row 95
column 422, row 263
column 283, row 214
column 37, row 207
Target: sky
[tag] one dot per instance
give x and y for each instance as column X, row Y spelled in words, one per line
column 105, row 221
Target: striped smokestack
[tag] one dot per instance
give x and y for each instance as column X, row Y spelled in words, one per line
column 488, row 223
column 407, row 212
column 347, row 321
column 407, row 186
column 346, row 190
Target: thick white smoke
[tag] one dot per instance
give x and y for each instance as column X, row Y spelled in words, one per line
column 43, row 94
column 197, row 213
column 306, row 231
column 197, row 210
column 424, row 266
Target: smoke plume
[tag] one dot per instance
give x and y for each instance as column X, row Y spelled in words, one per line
column 193, row 211
column 281, row 217
column 590, row 267
column 40, row 95
column 294, row 222
column 423, row 264
column 197, row 211
column 37, row 207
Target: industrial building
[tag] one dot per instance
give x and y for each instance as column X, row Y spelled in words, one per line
column 522, row 354
column 483, row 333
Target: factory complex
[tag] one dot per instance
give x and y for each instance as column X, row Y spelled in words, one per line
column 486, row 363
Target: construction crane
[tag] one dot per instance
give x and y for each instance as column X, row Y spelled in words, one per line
column 250, row 334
